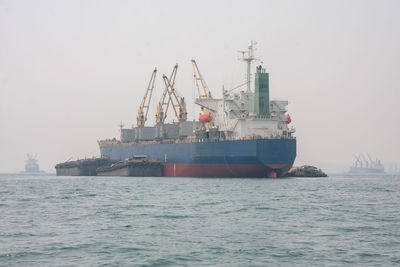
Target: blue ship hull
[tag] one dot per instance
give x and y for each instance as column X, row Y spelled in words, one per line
column 236, row 158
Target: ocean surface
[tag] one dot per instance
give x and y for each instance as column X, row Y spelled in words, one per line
column 114, row 221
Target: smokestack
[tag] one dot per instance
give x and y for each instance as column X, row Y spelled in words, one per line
column 261, row 93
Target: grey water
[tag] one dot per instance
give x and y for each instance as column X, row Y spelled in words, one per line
column 115, row 221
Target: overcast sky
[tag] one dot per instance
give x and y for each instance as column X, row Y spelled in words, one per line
column 70, row 71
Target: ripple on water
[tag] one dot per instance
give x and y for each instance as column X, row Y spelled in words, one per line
column 49, row 221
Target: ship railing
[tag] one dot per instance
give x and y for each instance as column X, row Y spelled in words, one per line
column 191, row 139
column 264, row 137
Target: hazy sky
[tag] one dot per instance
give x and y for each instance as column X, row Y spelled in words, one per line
column 70, row 71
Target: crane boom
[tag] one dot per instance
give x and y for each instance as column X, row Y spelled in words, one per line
column 365, row 159
column 178, row 103
column 144, row 106
column 370, row 159
column 204, row 92
column 201, row 85
column 162, row 107
column 358, row 161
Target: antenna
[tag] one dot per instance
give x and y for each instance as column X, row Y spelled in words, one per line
column 120, row 128
column 248, row 56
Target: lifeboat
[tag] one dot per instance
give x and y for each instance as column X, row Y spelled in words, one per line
column 206, row 117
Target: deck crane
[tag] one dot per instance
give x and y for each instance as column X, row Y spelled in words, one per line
column 365, row 160
column 201, row 85
column 144, row 106
column 358, row 162
column 162, row 106
column 178, row 103
column 372, row 162
column 204, row 93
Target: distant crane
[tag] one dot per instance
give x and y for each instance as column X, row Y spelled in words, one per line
column 361, row 160
column 372, row 163
column 162, row 107
column 369, row 157
column 365, row 160
column 144, row 106
column 358, row 162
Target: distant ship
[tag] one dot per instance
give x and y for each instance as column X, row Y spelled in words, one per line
column 363, row 165
column 32, row 165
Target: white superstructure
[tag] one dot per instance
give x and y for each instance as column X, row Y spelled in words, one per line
column 236, row 115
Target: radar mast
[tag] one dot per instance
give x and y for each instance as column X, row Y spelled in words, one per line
column 248, row 56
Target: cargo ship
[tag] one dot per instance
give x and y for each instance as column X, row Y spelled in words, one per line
column 243, row 134
column 32, row 165
column 362, row 165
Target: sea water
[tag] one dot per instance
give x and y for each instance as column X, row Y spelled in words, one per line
column 127, row 221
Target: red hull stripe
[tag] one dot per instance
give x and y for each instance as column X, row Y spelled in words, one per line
column 222, row 170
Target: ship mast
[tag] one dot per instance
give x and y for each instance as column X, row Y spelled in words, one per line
column 248, row 56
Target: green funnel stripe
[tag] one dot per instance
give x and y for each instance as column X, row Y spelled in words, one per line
column 261, row 95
